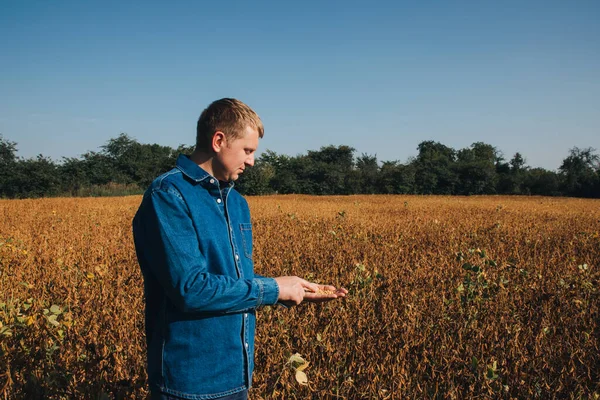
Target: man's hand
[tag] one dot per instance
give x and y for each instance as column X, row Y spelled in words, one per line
column 293, row 290
column 324, row 293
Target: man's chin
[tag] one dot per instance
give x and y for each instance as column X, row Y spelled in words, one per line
column 235, row 175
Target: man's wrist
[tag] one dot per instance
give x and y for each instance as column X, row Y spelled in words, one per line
column 268, row 291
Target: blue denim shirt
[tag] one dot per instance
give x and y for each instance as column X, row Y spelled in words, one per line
column 193, row 240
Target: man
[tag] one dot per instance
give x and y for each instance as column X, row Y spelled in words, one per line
column 193, row 239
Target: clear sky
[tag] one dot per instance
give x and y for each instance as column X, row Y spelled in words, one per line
column 378, row 76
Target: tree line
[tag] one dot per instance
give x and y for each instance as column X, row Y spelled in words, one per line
column 125, row 166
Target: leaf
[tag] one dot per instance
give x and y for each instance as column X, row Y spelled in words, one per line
column 55, row 309
column 5, row 331
column 296, row 358
column 302, row 367
column 301, row 378
column 319, row 337
column 52, row 320
column 491, row 371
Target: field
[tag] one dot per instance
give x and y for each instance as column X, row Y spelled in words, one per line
column 450, row 297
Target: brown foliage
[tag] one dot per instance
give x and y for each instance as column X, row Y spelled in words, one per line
column 450, row 297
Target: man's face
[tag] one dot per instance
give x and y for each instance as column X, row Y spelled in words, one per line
column 235, row 155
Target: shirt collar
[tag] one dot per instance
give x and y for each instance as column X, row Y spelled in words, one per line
column 196, row 173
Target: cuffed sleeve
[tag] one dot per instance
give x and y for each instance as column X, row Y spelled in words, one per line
column 269, row 291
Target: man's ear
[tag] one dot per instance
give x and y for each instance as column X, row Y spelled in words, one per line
column 218, row 141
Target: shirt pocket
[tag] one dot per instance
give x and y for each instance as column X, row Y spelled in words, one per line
column 246, row 231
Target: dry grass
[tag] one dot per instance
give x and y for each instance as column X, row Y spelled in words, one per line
column 450, row 297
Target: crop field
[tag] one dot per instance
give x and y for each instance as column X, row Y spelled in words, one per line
column 449, row 298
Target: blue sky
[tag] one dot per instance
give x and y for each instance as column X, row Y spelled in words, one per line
column 378, row 76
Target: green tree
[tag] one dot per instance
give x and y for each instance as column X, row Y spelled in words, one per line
column 285, row 177
column 434, row 168
column 580, row 173
column 8, row 159
column 34, row 177
column 396, row 178
column 74, row 175
column 476, row 167
column 367, row 172
column 511, row 175
column 540, row 182
column 256, row 180
column 100, row 169
column 133, row 162
column 328, row 170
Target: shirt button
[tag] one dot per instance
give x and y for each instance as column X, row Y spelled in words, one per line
column 212, row 181
column 245, row 315
column 218, row 200
column 237, row 257
column 246, row 345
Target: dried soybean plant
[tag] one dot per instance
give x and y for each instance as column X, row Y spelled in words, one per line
column 450, row 297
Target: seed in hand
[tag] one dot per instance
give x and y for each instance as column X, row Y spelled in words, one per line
column 320, row 291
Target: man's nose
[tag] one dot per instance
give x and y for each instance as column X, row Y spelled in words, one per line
column 250, row 161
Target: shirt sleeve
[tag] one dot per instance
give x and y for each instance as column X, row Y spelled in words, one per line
column 170, row 249
column 279, row 303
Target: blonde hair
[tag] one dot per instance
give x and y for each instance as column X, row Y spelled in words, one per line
column 229, row 116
